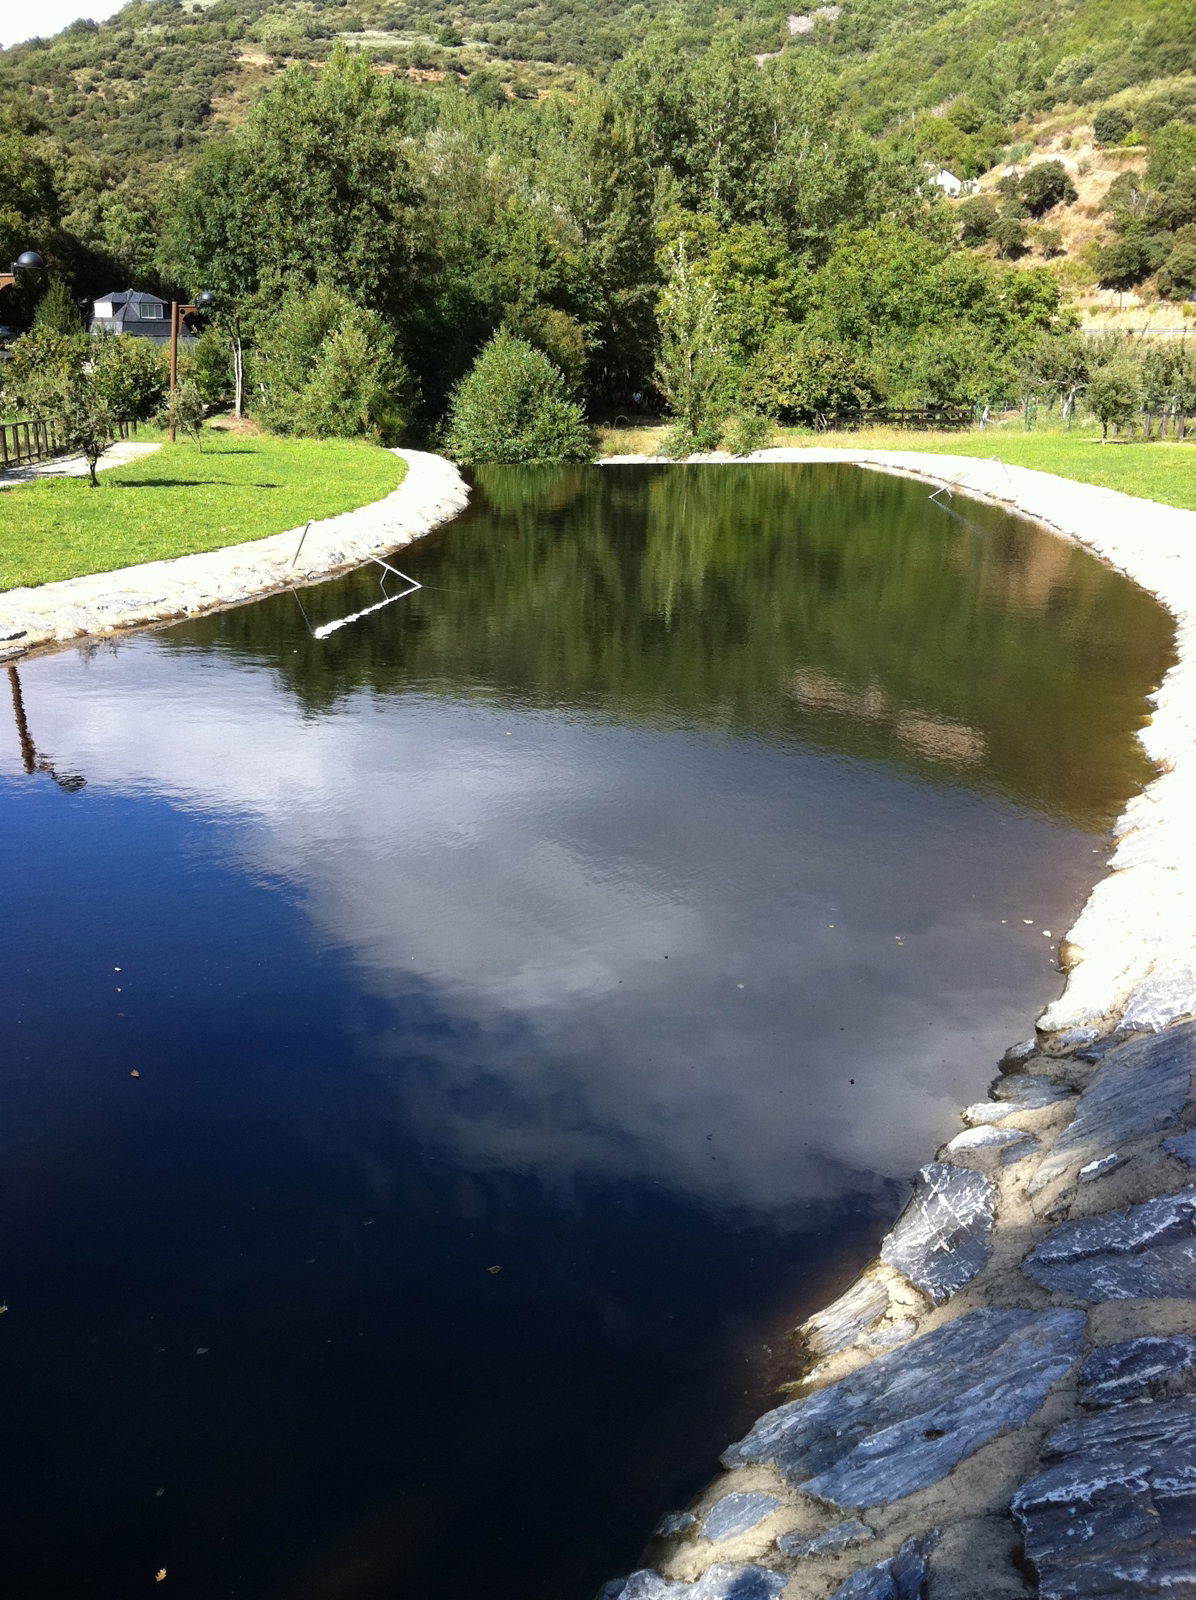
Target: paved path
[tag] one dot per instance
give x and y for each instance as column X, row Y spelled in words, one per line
column 75, row 466
column 165, row 591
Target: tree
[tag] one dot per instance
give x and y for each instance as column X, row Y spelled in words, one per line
column 809, row 381
column 1127, row 261
column 1111, row 125
column 1177, row 279
column 185, row 409
column 1045, row 185
column 1115, row 394
column 691, row 367
column 1009, row 236
column 325, row 368
column 514, row 406
column 57, row 309
column 977, row 219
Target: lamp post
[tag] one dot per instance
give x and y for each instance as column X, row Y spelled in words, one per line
column 27, row 261
column 203, row 302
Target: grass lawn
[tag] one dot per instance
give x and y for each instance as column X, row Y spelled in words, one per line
column 1163, row 472
column 179, row 500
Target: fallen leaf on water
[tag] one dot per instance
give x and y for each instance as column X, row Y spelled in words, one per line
column 134, row 1073
column 493, row 1269
column 160, row 1575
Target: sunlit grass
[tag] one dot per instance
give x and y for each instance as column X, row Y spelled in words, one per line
column 180, row 500
column 1156, row 471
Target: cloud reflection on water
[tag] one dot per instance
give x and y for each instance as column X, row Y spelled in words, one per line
column 662, row 955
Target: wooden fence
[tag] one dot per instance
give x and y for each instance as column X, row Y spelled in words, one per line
column 39, row 439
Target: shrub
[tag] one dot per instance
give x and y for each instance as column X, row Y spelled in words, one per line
column 514, row 405
column 1049, row 242
column 1110, row 125
column 1009, row 236
column 185, row 409
column 748, row 431
column 1128, row 261
column 809, row 380
column 1177, row 280
column 1115, row 394
column 57, row 309
column 1044, row 186
column 977, row 219
column 326, row 368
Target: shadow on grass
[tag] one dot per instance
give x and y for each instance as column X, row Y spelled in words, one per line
column 192, row 483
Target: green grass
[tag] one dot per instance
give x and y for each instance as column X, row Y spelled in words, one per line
column 1155, row 471
column 179, row 501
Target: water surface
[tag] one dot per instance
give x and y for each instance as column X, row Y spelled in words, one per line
column 540, row 995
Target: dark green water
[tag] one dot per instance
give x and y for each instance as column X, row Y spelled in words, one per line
column 630, row 910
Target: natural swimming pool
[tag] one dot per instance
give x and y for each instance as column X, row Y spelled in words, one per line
column 630, row 910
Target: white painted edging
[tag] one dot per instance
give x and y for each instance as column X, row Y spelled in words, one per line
column 164, row 591
column 1131, row 956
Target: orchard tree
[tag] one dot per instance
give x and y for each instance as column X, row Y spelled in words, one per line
column 1115, row 394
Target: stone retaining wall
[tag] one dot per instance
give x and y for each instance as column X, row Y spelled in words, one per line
column 1004, row 1403
column 166, row 591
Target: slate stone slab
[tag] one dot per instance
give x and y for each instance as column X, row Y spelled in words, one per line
column 1138, row 1089
column 673, row 1522
column 1019, row 1152
column 906, row 1419
column 736, row 1513
column 1133, row 1369
column 1183, row 1146
column 903, row 1577
column 986, row 1137
column 944, row 1236
column 1030, row 1092
column 1145, row 1252
column 840, row 1536
column 1113, row 1515
column 847, row 1319
column 723, row 1581
column 1102, row 1165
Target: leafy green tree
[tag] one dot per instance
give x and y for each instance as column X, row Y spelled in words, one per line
column 514, row 406
column 1009, row 236
column 811, row 381
column 691, row 366
column 1127, row 261
column 1045, row 185
column 1111, row 125
column 324, row 368
column 1177, row 279
column 134, row 374
column 57, row 309
column 977, row 219
column 1115, row 394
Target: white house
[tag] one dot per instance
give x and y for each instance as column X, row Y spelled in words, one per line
column 950, row 184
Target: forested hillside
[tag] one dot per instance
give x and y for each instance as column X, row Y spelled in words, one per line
column 741, row 196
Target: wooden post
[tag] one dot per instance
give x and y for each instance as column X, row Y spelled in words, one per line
column 174, row 359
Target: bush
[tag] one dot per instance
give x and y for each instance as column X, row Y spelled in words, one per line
column 57, row 310
column 1177, row 280
column 1128, row 261
column 1049, row 242
column 514, row 405
column 977, row 219
column 327, row 369
column 1111, row 125
column 1115, row 394
column 1044, row 186
column 810, row 381
column 1009, row 236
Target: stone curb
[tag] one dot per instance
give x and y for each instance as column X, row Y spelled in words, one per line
column 160, row 592
column 1003, row 1404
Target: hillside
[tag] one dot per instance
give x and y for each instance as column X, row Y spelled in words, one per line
column 159, row 75
column 755, row 180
